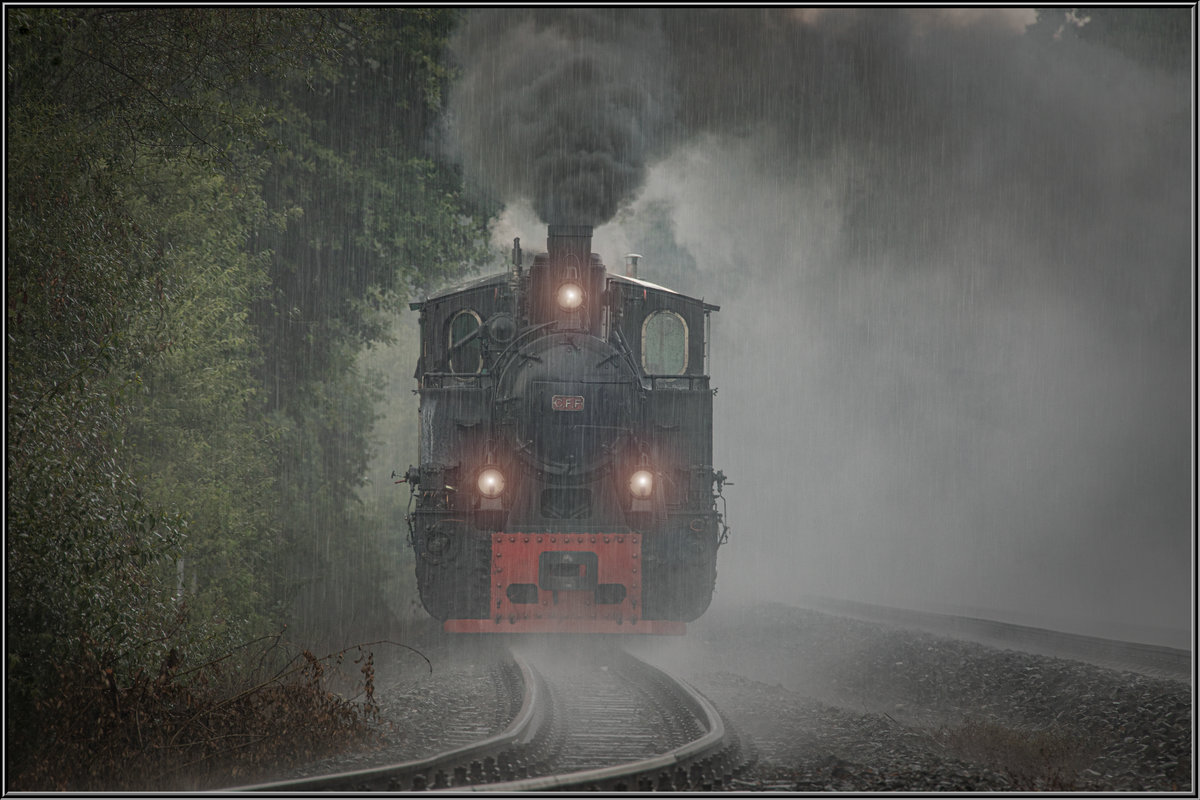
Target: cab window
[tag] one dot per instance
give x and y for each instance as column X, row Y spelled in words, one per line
column 664, row 344
column 465, row 356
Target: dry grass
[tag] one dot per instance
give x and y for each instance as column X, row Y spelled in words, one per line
column 191, row 731
column 1035, row 759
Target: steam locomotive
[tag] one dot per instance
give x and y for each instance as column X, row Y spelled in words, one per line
column 565, row 481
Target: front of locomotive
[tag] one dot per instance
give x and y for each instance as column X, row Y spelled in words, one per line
column 554, row 488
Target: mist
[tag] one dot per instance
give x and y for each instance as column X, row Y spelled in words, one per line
column 954, row 256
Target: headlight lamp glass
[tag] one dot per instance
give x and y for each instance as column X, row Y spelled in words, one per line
column 491, row 482
column 570, row 296
column 641, row 484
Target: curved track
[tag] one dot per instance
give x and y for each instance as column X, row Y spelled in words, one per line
column 591, row 718
column 617, row 723
column 1150, row 659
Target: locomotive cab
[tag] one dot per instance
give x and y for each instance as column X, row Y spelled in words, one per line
column 565, row 480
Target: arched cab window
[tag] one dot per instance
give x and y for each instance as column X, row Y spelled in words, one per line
column 664, row 344
column 465, row 355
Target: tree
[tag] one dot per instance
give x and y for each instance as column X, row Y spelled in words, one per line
column 378, row 217
column 129, row 208
column 212, row 211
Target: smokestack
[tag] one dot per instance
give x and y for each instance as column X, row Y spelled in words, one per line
column 631, row 264
column 569, row 257
column 570, row 246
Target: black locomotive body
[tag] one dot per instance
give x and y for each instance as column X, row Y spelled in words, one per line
column 565, row 480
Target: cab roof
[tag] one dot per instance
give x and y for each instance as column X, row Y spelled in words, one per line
column 502, row 277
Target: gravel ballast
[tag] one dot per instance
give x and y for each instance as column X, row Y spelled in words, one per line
column 830, row 703
column 839, row 704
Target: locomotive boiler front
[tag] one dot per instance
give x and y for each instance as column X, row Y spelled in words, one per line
column 566, row 404
column 565, row 478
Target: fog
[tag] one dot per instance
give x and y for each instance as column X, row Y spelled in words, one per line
column 954, row 258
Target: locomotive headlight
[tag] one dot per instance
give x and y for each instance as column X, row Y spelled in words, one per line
column 491, row 482
column 570, row 296
column 641, row 484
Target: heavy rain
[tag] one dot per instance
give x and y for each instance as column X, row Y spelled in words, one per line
column 952, row 367
column 954, row 257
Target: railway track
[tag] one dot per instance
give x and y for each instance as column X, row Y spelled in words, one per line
column 1149, row 659
column 575, row 715
column 590, row 718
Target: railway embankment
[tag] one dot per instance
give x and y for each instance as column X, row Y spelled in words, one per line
column 829, row 702
column 821, row 701
column 840, row 704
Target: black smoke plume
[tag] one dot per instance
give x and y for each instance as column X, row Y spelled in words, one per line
column 954, row 251
column 560, row 107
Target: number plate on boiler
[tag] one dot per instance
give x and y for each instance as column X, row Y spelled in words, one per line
column 566, row 402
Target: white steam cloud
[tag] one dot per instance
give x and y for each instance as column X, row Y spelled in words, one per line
column 954, row 258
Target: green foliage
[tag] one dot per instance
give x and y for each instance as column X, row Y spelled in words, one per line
column 157, row 77
column 128, row 354
column 79, row 270
column 85, row 551
column 379, row 217
column 198, row 435
column 212, row 211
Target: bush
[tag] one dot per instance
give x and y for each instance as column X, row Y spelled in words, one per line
column 192, row 729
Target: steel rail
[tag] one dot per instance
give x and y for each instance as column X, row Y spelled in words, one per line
column 1152, row 659
column 710, row 741
column 521, row 730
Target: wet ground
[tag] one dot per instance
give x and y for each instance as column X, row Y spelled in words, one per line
column 832, row 703
column 829, row 703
